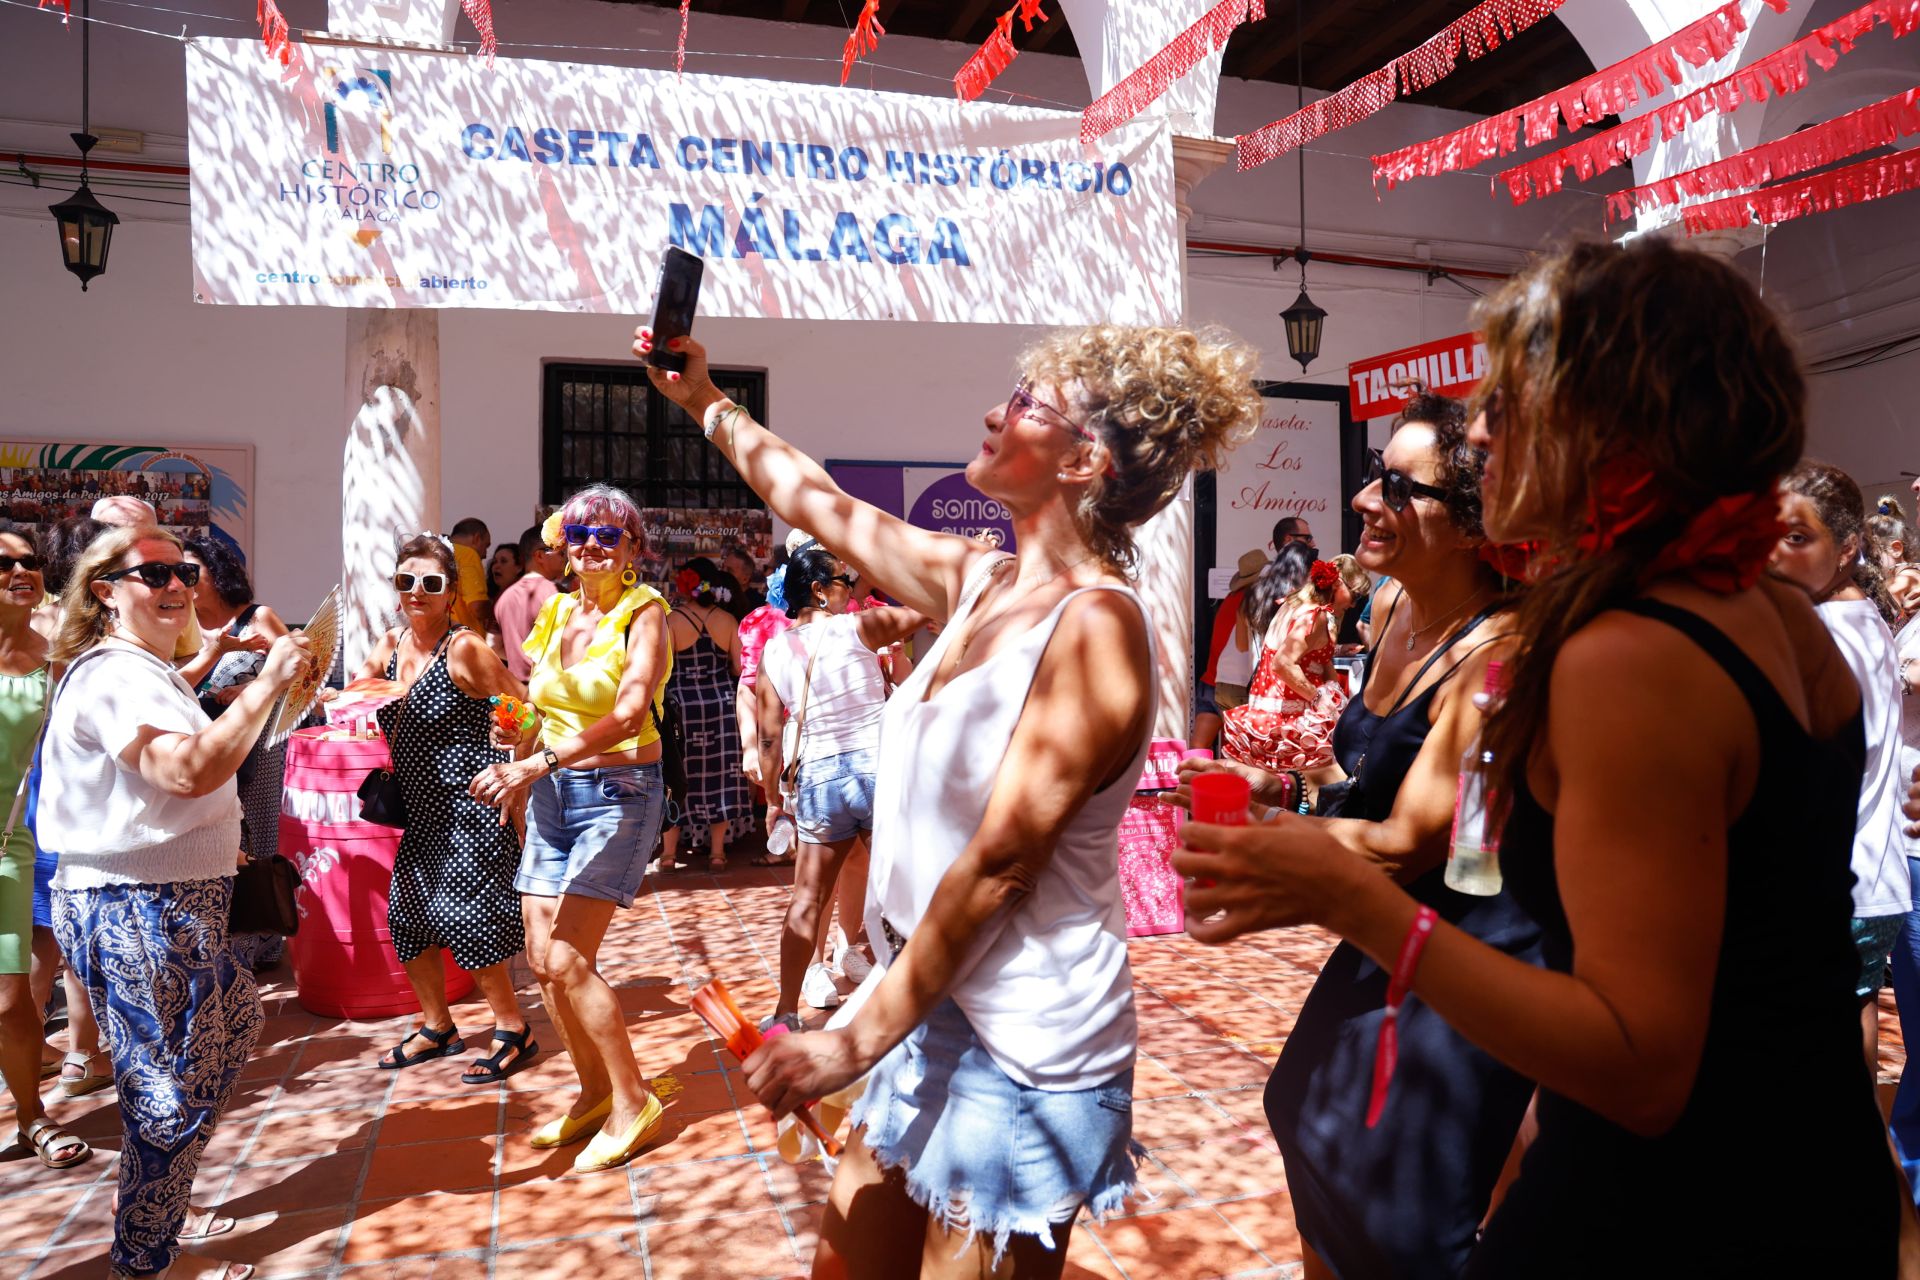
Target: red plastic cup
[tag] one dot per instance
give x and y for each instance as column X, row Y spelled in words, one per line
column 1221, row 799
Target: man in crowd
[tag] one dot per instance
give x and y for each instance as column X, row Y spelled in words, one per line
column 514, row 612
column 471, row 539
column 1292, row 529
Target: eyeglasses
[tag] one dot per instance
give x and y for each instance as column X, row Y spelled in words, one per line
column 1397, row 488
column 30, row 563
column 1023, row 402
column 607, row 535
column 154, row 573
column 427, row 584
column 845, row 579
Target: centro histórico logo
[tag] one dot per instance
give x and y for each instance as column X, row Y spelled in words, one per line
column 360, row 176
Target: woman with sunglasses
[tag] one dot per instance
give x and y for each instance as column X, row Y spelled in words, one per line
column 1390, row 805
column 823, row 678
column 706, row 664
column 453, row 873
column 1677, row 768
column 138, row 796
column 601, row 659
column 998, row 1033
column 23, row 700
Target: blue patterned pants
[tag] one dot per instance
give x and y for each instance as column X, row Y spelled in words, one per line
column 180, row 1018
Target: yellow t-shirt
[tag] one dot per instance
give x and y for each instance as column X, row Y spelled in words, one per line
column 473, row 573
column 573, row 698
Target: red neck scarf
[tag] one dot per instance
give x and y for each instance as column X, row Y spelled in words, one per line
column 1722, row 549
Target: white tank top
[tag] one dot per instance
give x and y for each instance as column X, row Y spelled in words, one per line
column 1046, row 987
column 1880, row 875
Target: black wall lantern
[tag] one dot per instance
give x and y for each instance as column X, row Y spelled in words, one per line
column 86, row 225
column 1304, row 321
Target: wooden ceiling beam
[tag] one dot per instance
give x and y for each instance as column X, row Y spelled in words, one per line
column 793, row 11
column 1508, row 71
column 1056, row 23
column 969, row 16
column 1278, row 44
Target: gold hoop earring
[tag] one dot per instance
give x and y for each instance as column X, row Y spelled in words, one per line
column 629, row 577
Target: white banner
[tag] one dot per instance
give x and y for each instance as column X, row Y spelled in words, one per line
column 376, row 178
column 1291, row 467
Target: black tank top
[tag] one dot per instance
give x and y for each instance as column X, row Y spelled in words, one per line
column 1779, row 1164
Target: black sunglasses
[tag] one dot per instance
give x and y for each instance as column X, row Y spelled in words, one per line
column 9, row 563
column 154, row 573
column 431, row 584
column 1397, row 488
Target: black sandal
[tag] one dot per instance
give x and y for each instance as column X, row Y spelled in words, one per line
column 491, row 1070
column 445, row 1044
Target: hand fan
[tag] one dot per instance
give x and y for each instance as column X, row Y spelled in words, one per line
column 323, row 638
column 715, row 1005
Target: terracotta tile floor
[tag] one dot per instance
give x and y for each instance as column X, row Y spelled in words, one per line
column 337, row 1169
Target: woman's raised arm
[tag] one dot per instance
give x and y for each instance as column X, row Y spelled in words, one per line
column 926, row 569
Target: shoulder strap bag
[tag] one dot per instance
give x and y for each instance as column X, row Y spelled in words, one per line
column 382, row 800
column 790, row 770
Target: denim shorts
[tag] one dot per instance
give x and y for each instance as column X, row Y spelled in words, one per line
column 833, row 797
column 986, row 1155
column 1205, row 703
column 591, row 831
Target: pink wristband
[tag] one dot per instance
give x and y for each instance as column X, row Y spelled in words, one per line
column 1387, row 1055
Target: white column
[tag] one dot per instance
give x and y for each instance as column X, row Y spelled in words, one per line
column 1166, row 541
column 390, row 484
column 390, row 480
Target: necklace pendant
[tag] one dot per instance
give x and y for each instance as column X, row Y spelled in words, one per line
column 1410, row 634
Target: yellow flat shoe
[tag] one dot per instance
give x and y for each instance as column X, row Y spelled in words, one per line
column 608, row 1151
column 558, row 1133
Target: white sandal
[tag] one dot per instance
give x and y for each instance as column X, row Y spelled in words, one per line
column 87, row 1081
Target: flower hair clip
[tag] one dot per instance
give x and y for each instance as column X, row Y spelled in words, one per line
column 551, row 532
column 1323, row 575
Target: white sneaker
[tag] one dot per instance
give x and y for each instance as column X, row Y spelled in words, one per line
column 854, row 963
column 817, row 987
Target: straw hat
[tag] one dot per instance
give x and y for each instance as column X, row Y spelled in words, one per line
column 1251, row 563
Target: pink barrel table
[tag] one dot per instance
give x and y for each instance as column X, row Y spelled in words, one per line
column 343, row 960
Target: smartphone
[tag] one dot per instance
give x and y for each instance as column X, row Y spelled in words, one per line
column 676, row 298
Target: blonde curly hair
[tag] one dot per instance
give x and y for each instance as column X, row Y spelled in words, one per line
column 1164, row 402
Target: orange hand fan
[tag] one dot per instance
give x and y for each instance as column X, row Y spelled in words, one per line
column 714, row 1005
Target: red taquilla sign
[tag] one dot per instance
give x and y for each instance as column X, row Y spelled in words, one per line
column 1449, row 367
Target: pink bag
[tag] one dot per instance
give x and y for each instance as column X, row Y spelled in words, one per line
column 1149, row 833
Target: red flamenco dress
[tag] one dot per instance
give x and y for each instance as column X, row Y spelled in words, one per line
column 1277, row 728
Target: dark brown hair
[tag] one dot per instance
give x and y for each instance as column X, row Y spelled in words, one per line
column 430, row 546
column 1651, row 353
column 1459, row 465
column 1837, row 501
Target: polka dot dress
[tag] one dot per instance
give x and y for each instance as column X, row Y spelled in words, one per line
column 453, row 874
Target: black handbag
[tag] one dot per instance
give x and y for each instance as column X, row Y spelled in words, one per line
column 673, row 748
column 263, row 895
column 382, row 800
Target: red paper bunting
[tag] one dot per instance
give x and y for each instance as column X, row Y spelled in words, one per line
column 1855, row 184
column 863, row 39
column 1476, row 33
column 1604, row 93
column 994, row 56
column 66, row 7
column 1878, row 125
column 1781, row 72
column 1144, row 85
column 480, row 13
column 273, row 32
column 680, row 50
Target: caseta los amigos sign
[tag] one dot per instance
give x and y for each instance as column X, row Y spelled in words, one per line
column 364, row 177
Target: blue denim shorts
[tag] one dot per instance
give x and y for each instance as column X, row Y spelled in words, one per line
column 986, row 1155
column 591, row 831
column 833, row 797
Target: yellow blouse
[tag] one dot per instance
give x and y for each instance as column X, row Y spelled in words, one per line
column 573, row 698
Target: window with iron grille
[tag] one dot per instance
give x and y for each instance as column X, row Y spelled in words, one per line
column 605, row 423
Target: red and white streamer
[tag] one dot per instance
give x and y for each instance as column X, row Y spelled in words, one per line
column 997, row 52
column 273, row 32
column 1144, row 85
column 66, row 9
column 1476, row 33
column 1604, row 93
column 680, row 49
column 1781, row 72
column 480, row 14
column 863, row 39
column 1878, row 125
column 1855, row 184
